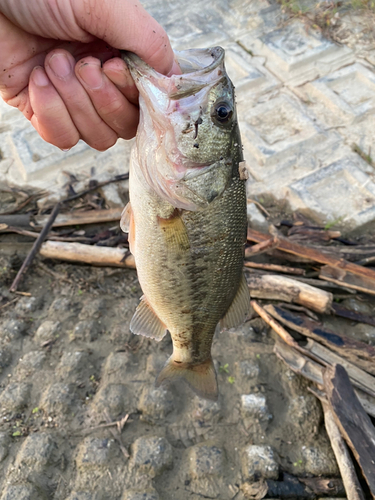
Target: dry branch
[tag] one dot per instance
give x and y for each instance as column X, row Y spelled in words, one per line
column 84, row 217
column 264, row 246
column 359, row 378
column 358, row 353
column 35, row 248
column 353, row 422
column 276, row 287
column 274, row 324
column 314, row 255
column 313, row 371
column 352, row 487
column 275, row 268
column 87, row 254
column 353, row 315
column 347, row 279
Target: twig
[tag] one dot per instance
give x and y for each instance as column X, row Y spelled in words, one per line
column 53, row 237
column 314, row 255
column 118, row 178
column 49, row 271
column 274, row 325
column 275, row 267
column 8, row 303
column 42, row 236
column 264, row 246
column 21, row 205
column 117, row 433
column 37, row 244
column 259, row 205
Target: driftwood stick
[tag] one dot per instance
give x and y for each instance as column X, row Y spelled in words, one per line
column 264, row 246
column 87, row 254
column 311, row 370
column 275, row 287
column 313, row 254
column 274, row 324
column 358, row 377
column 348, row 279
column 84, row 217
column 352, row 487
column 35, row 248
column 353, row 315
column 354, row 424
column 358, row 353
column 275, row 268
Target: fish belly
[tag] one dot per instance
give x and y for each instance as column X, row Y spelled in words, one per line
column 189, row 264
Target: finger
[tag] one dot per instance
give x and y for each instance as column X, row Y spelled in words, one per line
column 125, row 24
column 94, row 131
column 110, row 104
column 51, row 118
column 118, row 72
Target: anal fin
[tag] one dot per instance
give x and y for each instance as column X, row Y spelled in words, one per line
column 146, row 323
column 201, row 377
column 239, row 308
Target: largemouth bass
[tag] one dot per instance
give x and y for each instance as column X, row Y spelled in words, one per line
column 187, row 212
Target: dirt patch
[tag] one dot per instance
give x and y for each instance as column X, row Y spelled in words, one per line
column 68, row 363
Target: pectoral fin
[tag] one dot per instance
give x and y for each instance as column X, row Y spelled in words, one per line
column 174, row 232
column 239, row 308
column 146, row 323
column 127, row 225
column 125, row 218
column 201, row 378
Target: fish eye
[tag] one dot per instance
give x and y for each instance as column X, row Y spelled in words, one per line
column 222, row 112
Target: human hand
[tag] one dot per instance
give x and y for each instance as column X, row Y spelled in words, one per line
column 58, row 65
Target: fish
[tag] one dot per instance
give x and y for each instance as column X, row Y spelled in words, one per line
column 186, row 217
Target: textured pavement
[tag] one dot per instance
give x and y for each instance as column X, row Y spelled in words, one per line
column 303, row 101
column 68, row 363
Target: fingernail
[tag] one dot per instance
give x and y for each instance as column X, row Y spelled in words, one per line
column 60, row 65
column 92, row 75
column 40, row 78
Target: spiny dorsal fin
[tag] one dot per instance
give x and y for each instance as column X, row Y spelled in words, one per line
column 201, row 378
column 146, row 323
column 239, row 308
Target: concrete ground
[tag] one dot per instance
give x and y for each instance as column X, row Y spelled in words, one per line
column 68, row 364
column 306, row 106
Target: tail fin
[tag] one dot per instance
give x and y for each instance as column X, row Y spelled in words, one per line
column 201, row 378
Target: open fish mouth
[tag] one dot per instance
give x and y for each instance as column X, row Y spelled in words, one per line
column 174, row 116
column 199, row 67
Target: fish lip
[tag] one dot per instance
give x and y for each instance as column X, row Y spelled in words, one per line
column 192, row 71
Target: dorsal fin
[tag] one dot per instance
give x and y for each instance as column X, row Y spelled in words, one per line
column 239, row 308
column 146, row 323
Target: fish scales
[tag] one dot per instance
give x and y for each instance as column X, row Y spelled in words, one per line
column 187, row 223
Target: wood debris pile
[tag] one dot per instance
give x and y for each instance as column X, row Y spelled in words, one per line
column 340, row 368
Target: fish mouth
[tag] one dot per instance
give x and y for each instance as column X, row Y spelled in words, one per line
column 199, row 68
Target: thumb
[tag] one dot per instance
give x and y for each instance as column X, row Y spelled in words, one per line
column 125, row 24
